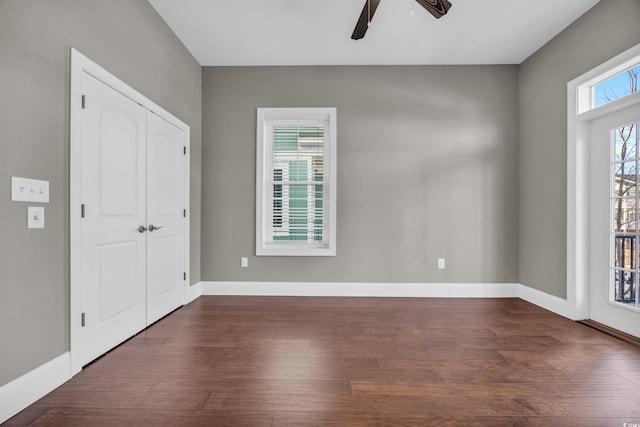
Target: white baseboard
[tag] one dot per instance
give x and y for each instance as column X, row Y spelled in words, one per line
column 23, row 391
column 193, row 292
column 420, row 290
column 434, row 290
column 547, row 301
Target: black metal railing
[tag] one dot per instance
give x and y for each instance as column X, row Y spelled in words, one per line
column 625, row 272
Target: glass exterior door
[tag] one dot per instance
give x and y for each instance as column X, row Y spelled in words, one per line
column 614, row 223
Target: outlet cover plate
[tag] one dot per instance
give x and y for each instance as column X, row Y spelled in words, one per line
column 35, row 217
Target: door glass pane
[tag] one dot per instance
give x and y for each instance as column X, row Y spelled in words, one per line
column 625, row 251
column 624, row 214
column 625, row 179
column 625, row 287
column 626, row 143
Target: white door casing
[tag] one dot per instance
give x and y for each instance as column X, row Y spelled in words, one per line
column 119, row 257
column 602, row 310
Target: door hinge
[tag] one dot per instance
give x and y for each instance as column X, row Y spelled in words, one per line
column 82, row 319
column 83, row 102
column 184, row 276
column 82, row 210
column 184, row 213
column 185, row 150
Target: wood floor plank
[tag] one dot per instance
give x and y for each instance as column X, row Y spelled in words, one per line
column 241, row 386
column 27, row 417
column 316, row 402
column 327, row 419
column 588, row 407
column 116, row 399
column 65, row 417
column 591, row 390
column 87, row 384
column 419, row 388
column 324, row 361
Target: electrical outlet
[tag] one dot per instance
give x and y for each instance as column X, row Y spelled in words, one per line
column 440, row 263
column 35, row 217
column 244, row 262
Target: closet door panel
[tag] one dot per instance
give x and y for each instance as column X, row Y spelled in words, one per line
column 165, row 216
column 113, row 270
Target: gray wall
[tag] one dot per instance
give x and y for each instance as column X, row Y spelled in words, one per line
column 128, row 38
column 427, row 168
column 606, row 30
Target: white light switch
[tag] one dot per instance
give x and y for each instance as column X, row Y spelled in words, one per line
column 29, row 190
column 244, row 262
column 440, row 263
column 35, row 217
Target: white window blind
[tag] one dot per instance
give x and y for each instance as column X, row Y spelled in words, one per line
column 296, row 182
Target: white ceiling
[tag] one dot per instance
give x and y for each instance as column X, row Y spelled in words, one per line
column 318, row 32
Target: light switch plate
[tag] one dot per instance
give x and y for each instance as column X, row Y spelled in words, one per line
column 35, row 217
column 29, row 190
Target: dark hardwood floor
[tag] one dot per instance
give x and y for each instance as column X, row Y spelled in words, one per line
column 276, row 361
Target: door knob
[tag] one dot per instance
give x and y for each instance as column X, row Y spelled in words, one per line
column 154, row 227
column 142, row 229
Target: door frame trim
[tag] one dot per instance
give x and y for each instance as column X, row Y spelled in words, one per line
column 579, row 117
column 81, row 64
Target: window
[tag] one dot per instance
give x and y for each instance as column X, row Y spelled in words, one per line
column 618, row 86
column 296, row 182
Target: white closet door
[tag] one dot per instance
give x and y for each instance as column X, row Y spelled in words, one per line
column 165, row 217
column 114, row 199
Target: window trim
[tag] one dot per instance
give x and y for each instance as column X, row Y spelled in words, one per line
column 263, row 116
column 584, row 86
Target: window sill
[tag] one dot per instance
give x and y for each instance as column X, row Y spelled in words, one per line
column 294, row 250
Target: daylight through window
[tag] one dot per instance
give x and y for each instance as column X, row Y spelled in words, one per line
column 618, row 86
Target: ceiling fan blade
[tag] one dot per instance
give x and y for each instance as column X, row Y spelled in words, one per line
column 437, row 8
column 366, row 16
